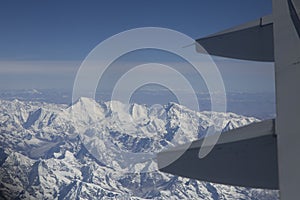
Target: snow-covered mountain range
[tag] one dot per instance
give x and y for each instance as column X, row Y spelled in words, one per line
column 104, row 150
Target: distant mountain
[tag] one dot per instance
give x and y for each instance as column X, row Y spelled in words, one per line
column 105, row 150
column 259, row 105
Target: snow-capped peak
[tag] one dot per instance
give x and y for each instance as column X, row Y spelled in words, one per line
column 87, row 149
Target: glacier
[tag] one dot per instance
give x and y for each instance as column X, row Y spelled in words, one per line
column 104, row 150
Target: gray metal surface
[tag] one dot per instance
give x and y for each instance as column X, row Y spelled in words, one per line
column 253, row 41
column 287, row 76
column 246, row 156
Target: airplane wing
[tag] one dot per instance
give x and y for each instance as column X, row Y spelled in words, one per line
column 248, row 156
column 245, row 156
column 250, row 41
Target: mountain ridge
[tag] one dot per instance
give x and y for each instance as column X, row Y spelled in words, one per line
column 55, row 156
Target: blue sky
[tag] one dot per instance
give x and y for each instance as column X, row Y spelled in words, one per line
column 42, row 43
